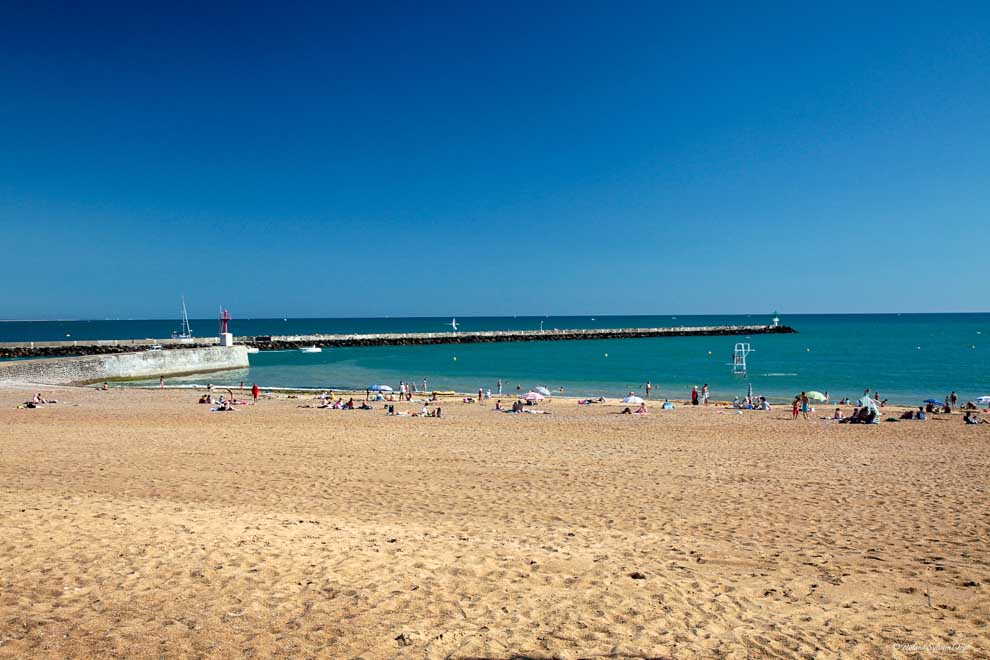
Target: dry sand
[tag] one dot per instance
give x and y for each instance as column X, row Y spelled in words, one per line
column 137, row 523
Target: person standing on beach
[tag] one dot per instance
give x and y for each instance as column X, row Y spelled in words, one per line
column 499, row 386
column 694, row 396
column 795, row 407
column 953, row 399
column 161, row 382
column 424, row 384
column 805, row 404
column 649, row 388
column 704, row 394
column 481, row 395
column 255, row 391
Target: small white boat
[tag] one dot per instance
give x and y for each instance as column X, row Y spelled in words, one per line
column 253, row 349
column 311, row 349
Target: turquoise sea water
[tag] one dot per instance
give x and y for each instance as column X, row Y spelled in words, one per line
column 906, row 357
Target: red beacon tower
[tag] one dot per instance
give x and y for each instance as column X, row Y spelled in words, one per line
column 226, row 338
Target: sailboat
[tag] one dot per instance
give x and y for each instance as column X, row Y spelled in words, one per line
column 453, row 324
column 185, row 330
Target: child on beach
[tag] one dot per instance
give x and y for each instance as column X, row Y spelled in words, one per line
column 795, row 408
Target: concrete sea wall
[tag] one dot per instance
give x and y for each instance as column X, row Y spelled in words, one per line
column 124, row 366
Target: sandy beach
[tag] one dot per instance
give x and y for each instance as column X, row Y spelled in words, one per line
column 137, row 523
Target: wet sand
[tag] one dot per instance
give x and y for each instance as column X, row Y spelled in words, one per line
column 138, row 523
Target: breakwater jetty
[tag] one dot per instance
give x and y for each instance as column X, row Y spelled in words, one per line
column 289, row 342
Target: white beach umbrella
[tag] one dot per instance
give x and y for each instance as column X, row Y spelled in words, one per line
column 982, row 400
column 541, row 390
column 380, row 388
column 532, row 396
column 632, row 399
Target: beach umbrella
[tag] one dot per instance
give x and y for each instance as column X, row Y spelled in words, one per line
column 541, row 390
column 632, row 399
column 815, row 396
column 532, row 396
column 934, row 402
column 380, row 388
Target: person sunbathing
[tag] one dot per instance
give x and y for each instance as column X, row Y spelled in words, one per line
column 641, row 410
column 972, row 418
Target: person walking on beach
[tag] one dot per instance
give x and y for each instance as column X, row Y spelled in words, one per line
column 255, row 391
column 649, row 388
column 704, row 394
column 694, row 396
column 805, row 405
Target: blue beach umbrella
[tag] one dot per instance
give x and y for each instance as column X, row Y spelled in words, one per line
column 380, row 388
column 934, row 402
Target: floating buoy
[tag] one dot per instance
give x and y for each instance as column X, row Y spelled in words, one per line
column 807, row 350
column 606, row 355
column 709, row 352
column 919, row 348
column 455, row 358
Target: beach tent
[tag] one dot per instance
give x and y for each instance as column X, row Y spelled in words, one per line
column 379, row 388
column 632, row 399
column 815, row 396
column 867, row 402
column 541, row 390
column 532, row 396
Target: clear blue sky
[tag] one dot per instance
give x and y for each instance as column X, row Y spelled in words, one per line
column 498, row 158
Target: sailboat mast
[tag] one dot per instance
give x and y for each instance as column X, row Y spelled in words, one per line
column 186, row 328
